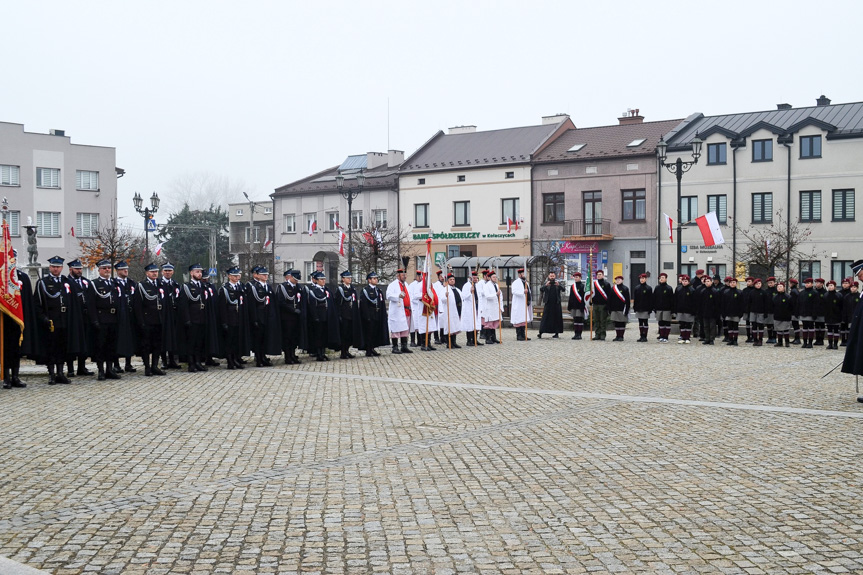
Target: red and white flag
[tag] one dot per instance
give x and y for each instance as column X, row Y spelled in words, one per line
column 72, row 231
column 342, row 236
column 158, row 249
column 429, row 295
column 710, row 231
column 10, row 288
column 267, row 243
column 669, row 223
column 313, row 225
column 511, row 225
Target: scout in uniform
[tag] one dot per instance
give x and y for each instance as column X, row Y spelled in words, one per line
column 373, row 315
column 731, row 308
column 768, row 323
column 149, row 306
column 783, row 307
column 192, row 312
column 104, row 298
column 642, row 303
column 757, row 312
column 832, row 303
column 708, row 305
column 843, row 324
column 401, row 309
column 288, row 297
column 471, row 323
column 618, row 306
column 820, row 325
column 349, row 315
column 684, row 308
column 795, row 319
column 808, row 305
column 552, row 312
column 233, row 318
column 577, row 305
column 521, row 306
column 696, row 283
column 663, row 306
column 849, row 304
column 599, row 294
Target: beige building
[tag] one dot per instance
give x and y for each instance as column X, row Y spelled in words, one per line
column 251, row 236
column 67, row 191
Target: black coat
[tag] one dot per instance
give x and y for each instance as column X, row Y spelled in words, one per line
column 576, row 302
column 853, row 362
column 709, row 302
column 53, row 303
column 849, row 303
column 169, row 324
column 596, row 297
column 30, row 344
column 758, row 301
column 373, row 311
column 783, row 306
column 832, row 307
column 808, row 303
column 318, row 304
column 731, row 303
column 615, row 303
column 552, row 312
column 349, row 315
column 663, row 297
column 233, row 318
column 642, row 298
column 684, row 300
column 261, row 303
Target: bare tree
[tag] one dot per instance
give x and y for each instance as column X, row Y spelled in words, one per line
column 114, row 242
column 381, row 250
column 547, row 256
column 202, row 189
column 771, row 248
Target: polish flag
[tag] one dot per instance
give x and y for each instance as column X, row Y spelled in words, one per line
column 511, row 225
column 158, row 249
column 669, row 223
column 709, row 226
column 313, row 225
column 342, row 236
column 73, row 231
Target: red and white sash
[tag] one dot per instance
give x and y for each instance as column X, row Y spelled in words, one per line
column 576, row 294
column 619, row 295
column 598, row 287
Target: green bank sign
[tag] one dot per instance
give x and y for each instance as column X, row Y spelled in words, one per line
column 461, row 236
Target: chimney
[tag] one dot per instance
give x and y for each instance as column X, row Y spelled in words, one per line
column 54, row 132
column 462, row 130
column 783, row 106
column 395, row 158
column 375, row 159
column 556, row 119
column 630, row 117
column 823, row 101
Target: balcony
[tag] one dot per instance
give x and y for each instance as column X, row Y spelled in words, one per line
column 580, row 230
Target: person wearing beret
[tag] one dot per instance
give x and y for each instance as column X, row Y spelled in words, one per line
column 684, row 308
column 149, row 306
column 577, row 305
column 600, row 292
column 127, row 333
column 832, row 303
column 757, row 312
column 844, row 323
column 642, row 303
column 618, row 307
column 401, row 309
column 471, row 323
column 849, row 304
column 170, row 344
column 731, row 308
column 373, row 315
column 853, row 361
column 79, row 285
column 663, row 306
column 708, row 305
column 820, row 323
column 322, row 318
column 552, row 309
column 192, row 312
column 783, row 307
column 233, row 319
column 288, row 299
column 350, row 325
column 696, row 283
column 104, row 301
column 768, row 325
column 746, row 293
column 792, row 290
column 808, row 305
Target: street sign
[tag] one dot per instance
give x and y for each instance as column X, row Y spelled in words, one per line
column 439, row 259
column 604, row 258
column 212, row 272
column 151, row 224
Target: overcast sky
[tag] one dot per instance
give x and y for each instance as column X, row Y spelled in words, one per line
column 268, row 92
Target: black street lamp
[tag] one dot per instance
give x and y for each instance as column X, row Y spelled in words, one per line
column 349, row 194
column 147, row 213
column 677, row 168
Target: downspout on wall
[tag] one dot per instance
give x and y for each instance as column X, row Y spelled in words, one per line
column 659, row 219
column 787, row 141
column 735, row 145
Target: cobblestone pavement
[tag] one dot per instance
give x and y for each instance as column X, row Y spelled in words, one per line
column 548, row 456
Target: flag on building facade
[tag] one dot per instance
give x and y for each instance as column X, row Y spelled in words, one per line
column 669, row 223
column 708, row 224
column 313, row 225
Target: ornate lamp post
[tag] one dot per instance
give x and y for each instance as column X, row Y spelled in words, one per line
column 147, row 213
column 677, row 168
column 349, row 194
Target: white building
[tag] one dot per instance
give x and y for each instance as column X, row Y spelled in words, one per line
column 66, row 190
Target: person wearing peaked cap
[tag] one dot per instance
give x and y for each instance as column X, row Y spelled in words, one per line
column 642, row 304
column 232, row 316
column 79, row 285
column 56, row 261
column 103, row 297
column 402, row 308
column 148, row 304
column 322, row 318
column 373, row 316
column 192, row 305
column 212, row 345
column 62, row 330
column 348, row 307
column 684, row 308
column 290, row 302
column 663, row 306
column 126, row 329
column 849, row 304
column 618, row 307
column 170, row 343
column 471, row 323
column 264, row 318
column 167, row 266
column 521, row 306
column 832, row 305
column 577, row 305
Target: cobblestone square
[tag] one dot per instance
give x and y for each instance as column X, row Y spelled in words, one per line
column 546, row 456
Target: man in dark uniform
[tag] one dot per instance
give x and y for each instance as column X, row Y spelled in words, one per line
column 169, row 324
column 663, row 306
column 707, row 304
column 768, row 324
column 233, row 318
column 576, row 305
column 260, row 297
column 128, row 287
column 599, row 294
column 853, row 362
column 192, row 313
column 373, row 314
column 849, row 304
column 552, row 310
column 684, row 308
column 79, row 285
column 322, row 317
column 149, row 306
column 618, row 307
column 211, row 346
column 104, row 303
column 642, row 300
column 349, row 324
column 288, row 297
column 696, row 283
column 746, row 293
column 53, row 298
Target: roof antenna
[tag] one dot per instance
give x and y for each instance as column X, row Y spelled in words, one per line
column 388, row 122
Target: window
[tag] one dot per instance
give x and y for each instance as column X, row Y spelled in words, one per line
column 255, row 234
column 459, row 178
column 47, row 178
column 10, row 175
column 508, row 209
column 634, row 205
column 636, row 143
column 48, row 224
column 86, row 225
column 509, row 175
column 309, row 267
column 268, row 210
column 809, row 269
column 453, row 252
column 239, row 211
column 715, row 154
column 638, row 255
column 288, row 266
column 762, row 208
column 461, row 213
column 810, row 147
column 688, row 269
column 86, row 180
column 717, row 270
column 840, row 270
column 688, row 210
column 14, row 219
column 290, row 223
column 552, row 208
column 576, row 147
column 421, row 215
column 357, row 219
column 421, row 181
column 308, row 219
column 719, row 205
column 380, row 217
column 810, row 206
column 762, row 150
column 592, row 213
column 843, row 205
column 420, row 262
column 332, row 221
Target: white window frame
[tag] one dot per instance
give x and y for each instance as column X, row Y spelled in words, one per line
column 10, row 175
column 332, row 220
column 308, row 268
column 290, row 223
column 380, row 218
column 86, row 224
column 51, row 220
column 14, row 219
column 268, row 210
column 239, row 212
column 256, row 234
column 357, row 219
column 87, row 180
column 48, row 178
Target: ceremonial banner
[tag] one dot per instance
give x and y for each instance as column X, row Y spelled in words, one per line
column 429, row 295
column 10, row 289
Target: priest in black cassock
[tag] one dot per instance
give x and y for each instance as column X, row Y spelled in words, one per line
column 552, row 312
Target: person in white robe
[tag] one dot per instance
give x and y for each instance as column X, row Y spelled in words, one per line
column 493, row 308
column 521, row 306
column 399, row 316
column 471, row 322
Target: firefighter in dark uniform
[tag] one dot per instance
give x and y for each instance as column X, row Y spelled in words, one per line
column 233, row 319
column 642, row 303
column 104, row 304
column 260, row 297
column 346, row 301
column 128, row 287
column 373, row 313
column 79, row 285
column 170, row 328
column 321, row 316
column 192, row 313
column 211, row 338
column 600, row 291
column 149, row 305
column 53, row 298
column 288, row 296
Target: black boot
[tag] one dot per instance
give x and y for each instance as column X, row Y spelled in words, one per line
column 454, row 342
column 405, row 348
column 414, row 339
column 101, row 367
column 147, row 371
column 129, row 368
column 70, row 368
column 154, row 365
column 51, row 378
column 395, row 343
column 60, row 378
column 82, row 367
